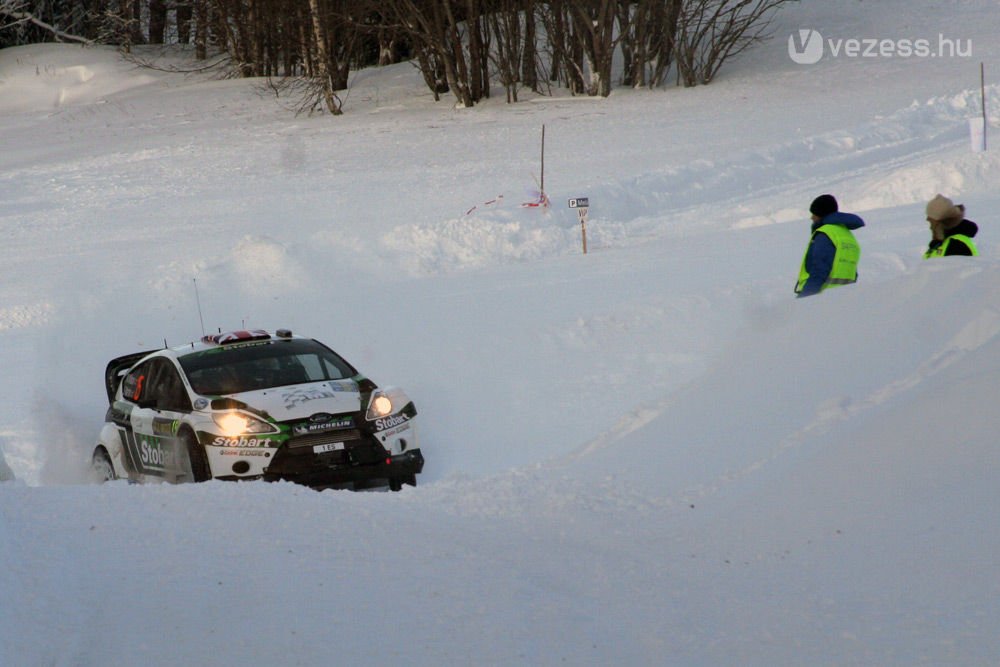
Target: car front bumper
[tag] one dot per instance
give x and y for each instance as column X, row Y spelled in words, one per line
column 400, row 469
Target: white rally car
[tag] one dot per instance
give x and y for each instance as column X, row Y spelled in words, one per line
column 251, row 405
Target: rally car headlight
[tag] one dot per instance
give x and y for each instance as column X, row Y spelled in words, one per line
column 238, row 423
column 380, row 406
column 385, row 402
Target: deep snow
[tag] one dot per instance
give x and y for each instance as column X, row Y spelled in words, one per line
column 649, row 454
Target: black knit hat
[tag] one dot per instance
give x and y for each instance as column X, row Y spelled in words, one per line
column 823, row 206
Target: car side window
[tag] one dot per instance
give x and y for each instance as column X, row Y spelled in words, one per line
column 135, row 385
column 165, row 388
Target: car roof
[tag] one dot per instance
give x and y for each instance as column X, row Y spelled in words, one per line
column 233, row 338
column 223, row 339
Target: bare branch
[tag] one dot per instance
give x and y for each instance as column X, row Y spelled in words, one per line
column 26, row 17
column 711, row 32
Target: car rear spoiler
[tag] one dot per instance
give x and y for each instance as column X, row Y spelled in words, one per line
column 116, row 370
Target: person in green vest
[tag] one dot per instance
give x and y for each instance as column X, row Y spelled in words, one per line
column 951, row 233
column 832, row 257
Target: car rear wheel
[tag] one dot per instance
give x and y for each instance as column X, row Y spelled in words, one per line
column 101, row 464
column 200, row 471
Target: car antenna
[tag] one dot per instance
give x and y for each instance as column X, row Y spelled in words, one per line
column 198, row 301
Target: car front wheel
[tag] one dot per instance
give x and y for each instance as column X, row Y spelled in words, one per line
column 200, row 470
column 100, row 463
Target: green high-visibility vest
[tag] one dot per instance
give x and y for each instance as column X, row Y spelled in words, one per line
column 942, row 249
column 845, row 262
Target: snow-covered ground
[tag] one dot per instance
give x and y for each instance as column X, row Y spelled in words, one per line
column 650, row 454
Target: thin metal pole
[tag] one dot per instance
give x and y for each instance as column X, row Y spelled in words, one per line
column 198, row 300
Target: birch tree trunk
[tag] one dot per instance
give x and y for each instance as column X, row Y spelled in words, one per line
column 323, row 60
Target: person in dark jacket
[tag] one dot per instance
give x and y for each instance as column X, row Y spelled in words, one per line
column 951, row 233
column 832, row 257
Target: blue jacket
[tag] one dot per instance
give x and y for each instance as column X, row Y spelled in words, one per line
column 819, row 256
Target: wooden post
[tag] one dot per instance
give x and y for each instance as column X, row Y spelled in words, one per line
column 542, row 184
column 581, row 212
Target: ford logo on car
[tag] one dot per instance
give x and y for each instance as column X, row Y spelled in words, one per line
column 320, row 417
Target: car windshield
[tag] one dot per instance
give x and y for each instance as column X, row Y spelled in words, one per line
column 250, row 366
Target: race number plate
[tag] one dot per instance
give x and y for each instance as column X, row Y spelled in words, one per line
column 328, row 447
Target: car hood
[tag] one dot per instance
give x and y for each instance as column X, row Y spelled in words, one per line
column 300, row 401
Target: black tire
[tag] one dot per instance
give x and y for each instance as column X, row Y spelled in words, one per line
column 100, row 463
column 396, row 483
column 198, row 459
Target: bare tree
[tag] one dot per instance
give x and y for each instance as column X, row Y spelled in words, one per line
column 582, row 41
column 477, row 41
column 529, row 54
column 438, row 36
column 513, row 52
column 647, row 44
column 157, row 21
column 117, row 25
column 564, row 48
column 323, row 69
column 201, row 29
column 185, row 15
column 594, row 27
column 714, row 31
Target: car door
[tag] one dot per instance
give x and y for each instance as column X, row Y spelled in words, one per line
column 160, row 404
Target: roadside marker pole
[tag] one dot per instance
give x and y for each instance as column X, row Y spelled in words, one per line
column 982, row 93
column 582, row 206
column 978, row 126
column 541, row 185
